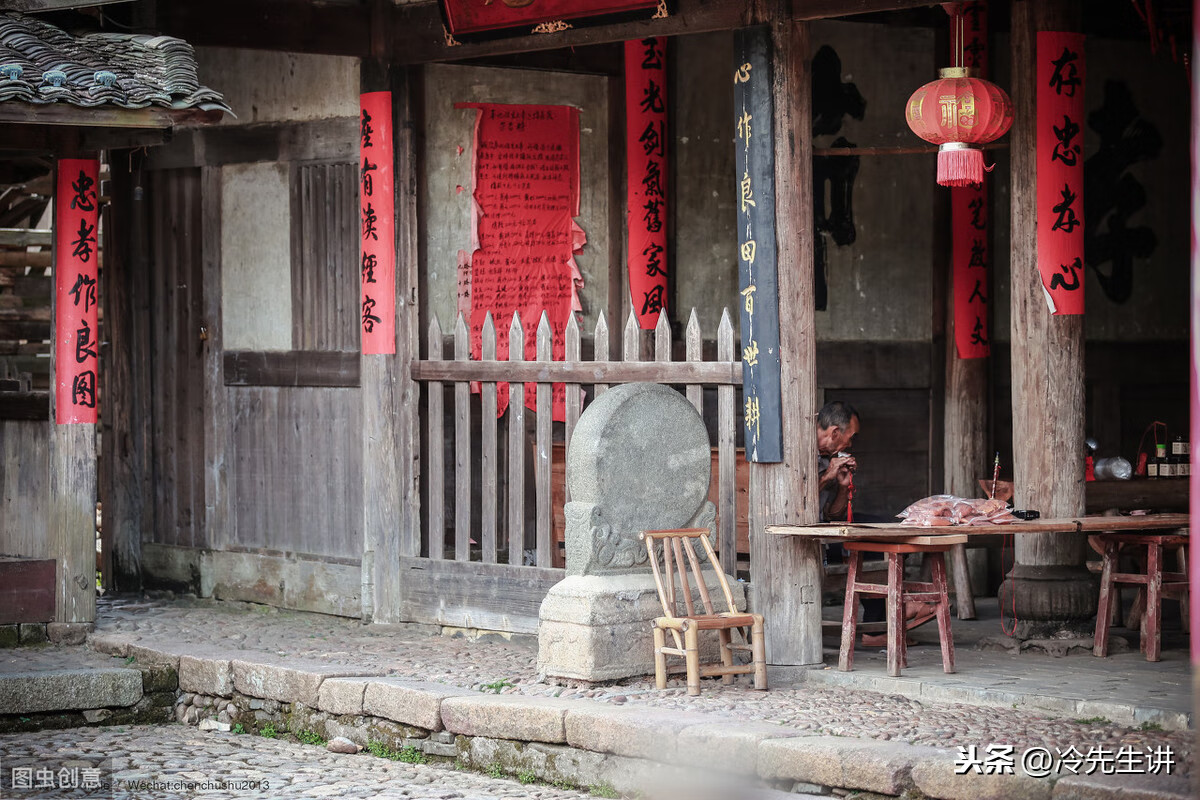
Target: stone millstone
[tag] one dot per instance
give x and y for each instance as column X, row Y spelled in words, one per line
column 639, row 460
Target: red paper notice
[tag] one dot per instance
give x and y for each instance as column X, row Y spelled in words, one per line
column 646, row 184
column 969, row 218
column 1060, row 76
column 76, row 269
column 378, row 225
column 526, row 168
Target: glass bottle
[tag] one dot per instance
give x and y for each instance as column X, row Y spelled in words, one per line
column 1154, row 466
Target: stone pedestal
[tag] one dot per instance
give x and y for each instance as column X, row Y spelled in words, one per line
column 639, row 460
column 596, row 628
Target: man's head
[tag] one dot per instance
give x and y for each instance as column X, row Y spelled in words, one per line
column 837, row 423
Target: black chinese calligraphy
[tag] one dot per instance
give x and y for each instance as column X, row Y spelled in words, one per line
column 1067, row 277
column 653, row 302
column 83, row 389
column 652, row 101
column 1113, row 196
column 366, row 130
column 832, row 101
column 84, row 198
column 1066, row 220
column 85, row 348
column 369, row 318
column 652, row 57
column 369, row 262
column 368, row 185
column 654, row 263
column 1066, row 149
column 84, row 290
column 369, row 221
column 978, row 333
column 83, row 244
column 1065, row 78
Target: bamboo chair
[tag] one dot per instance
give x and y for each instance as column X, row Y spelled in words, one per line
column 673, row 545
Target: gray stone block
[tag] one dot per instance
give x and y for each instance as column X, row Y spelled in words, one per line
column 35, row 633
column 112, row 644
column 409, row 702
column 1123, row 787
column 882, row 767
column 69, row 690
column 206, row 675
column 729, row 747
column 295, row 681
column 342, row 695
column 935, row 776
column 69, row 632
column 636, row 732
column 527, row 719
column 161, row 652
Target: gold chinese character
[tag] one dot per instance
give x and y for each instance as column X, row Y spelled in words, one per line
column 948, row 103
column 750, row 354
column 743, row 127
column 748, row 251
column 742, row 74
column 747, row 192
column 752, row 415
column 748, row 293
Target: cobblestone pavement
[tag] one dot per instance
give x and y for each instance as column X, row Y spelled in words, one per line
column 416, row 652
column 169, row 762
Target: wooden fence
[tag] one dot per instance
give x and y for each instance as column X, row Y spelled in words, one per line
column 513, row 549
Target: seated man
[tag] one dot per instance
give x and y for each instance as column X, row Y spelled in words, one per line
column 837, row 425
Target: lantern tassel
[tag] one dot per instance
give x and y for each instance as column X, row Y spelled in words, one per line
column 959, row 165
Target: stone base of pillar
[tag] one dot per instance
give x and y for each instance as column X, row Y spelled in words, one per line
column 1050, row 601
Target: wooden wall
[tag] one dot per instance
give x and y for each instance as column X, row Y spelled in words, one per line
column 24, row 488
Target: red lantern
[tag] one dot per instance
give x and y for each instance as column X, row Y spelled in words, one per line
column 959, row 112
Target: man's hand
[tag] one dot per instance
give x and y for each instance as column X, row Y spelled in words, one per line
column 839, row 471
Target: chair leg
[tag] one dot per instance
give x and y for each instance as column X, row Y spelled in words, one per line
column 758, row 650
column 1153, row 602
column 895, row 615
column 849, row 614
column 943, row 611
column 660, row 659
column 726, row 639
column 1100, row 646
column 691, row 647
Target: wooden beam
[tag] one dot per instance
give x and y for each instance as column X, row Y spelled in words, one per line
column 51, row 140
column 15, row 111
column 787, row 572
column 22, row 259
column 292, row 368
column 315, row 140
column 26, row 237
column 37, row 6
column 218, row 457
column 589, row 372
column 415, row 32
column 25, row 405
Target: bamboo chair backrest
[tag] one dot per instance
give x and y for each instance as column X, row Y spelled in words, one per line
column 675, row 546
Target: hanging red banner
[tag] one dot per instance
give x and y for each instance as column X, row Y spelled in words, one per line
column 646, row 183
column 378, row 224
column 76, row 271
column 472, row 16
column 1060, row 82
column 969, row 212
column 526, row 170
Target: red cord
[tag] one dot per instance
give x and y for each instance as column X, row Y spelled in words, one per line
column 850, row 500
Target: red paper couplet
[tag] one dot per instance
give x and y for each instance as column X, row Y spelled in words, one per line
column 646, row 186
column 378, row 225
column 1060, row 81
column 969, row 219
column 526, row 165
column 76, row 271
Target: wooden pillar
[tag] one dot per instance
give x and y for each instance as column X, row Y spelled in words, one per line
column 1049, row 580
column 218, row 424
column 787, row 570
column 125, row 491
column 73, row 491
column 391, row 443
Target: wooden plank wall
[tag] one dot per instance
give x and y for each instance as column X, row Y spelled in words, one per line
column 296, row 471
column 24, row 487
column 324, row 236
column 176, row 353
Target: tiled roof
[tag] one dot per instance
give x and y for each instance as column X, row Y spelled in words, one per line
column 40, row 63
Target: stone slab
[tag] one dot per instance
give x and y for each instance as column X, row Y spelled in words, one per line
column 409, row 702
column 936, row 777
column 883, row 767
column 636, row 732
column 527, row 719
column 729, row 747
column 207, row 675
column 69, row 690
column 290, row 682
column 342, row 695
column 112, row 644
column 1123, row 787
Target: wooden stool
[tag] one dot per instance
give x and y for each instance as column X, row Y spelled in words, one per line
column 1158, row 584
column 897, row 591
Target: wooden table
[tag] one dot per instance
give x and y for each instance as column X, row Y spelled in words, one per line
column 895, row 532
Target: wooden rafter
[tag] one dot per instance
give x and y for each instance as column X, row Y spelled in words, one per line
column 36, row 6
